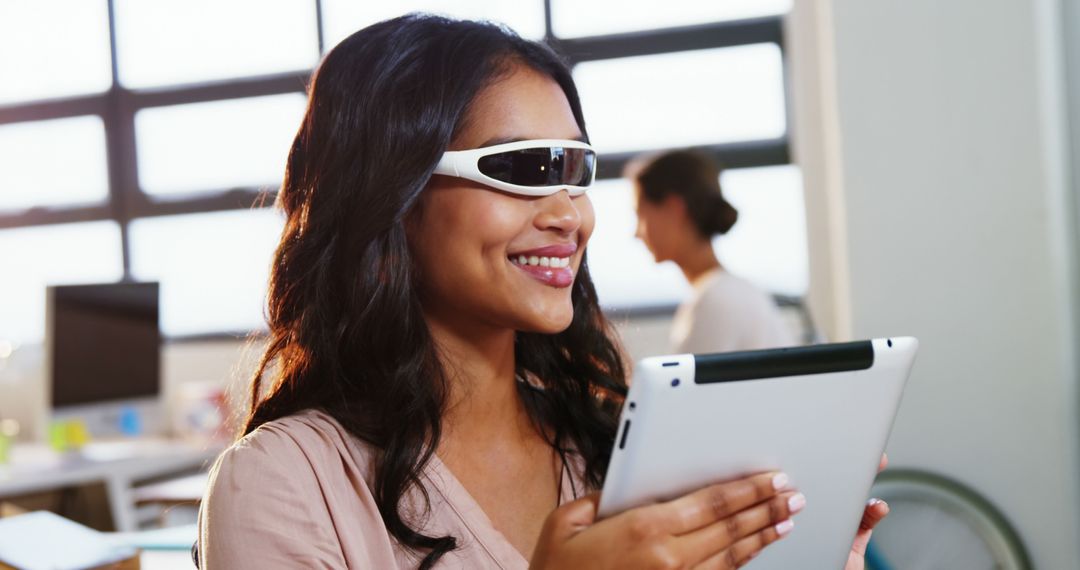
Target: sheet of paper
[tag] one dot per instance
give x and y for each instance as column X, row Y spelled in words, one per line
column 45, row 541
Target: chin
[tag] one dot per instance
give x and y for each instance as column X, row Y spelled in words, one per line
column 551, row 322
column 555, row 327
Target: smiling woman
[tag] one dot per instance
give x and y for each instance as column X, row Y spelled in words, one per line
column 401, row 313
column 440, row 386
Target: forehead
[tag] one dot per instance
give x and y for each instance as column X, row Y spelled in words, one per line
column 521, row 104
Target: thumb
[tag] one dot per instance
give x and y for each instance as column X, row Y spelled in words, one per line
column 561, row 525
column 573, row 517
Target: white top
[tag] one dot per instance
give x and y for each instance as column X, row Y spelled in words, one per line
column 726, row 313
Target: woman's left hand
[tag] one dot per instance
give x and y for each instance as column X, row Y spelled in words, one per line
column 875, row 511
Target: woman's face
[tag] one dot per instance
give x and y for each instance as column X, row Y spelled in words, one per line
column 468, row 239
column 661, row 226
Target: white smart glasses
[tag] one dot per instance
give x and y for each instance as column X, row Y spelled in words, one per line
column 530, row 168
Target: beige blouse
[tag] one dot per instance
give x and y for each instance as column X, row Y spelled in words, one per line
column 298, row 493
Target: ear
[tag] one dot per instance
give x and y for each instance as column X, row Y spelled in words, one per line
column 675, row 205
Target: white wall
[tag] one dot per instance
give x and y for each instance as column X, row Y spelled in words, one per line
column 940, row 126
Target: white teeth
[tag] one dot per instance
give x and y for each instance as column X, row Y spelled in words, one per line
column 556, row 262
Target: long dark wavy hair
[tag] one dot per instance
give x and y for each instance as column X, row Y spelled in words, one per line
column 347, row 330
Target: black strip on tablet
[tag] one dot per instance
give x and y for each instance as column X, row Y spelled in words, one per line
column 795, row 361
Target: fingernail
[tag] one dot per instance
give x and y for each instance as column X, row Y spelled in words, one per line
column 785, row 527
column 796, row 503
column 780, row 481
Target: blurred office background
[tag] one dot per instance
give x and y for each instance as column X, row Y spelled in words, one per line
column 900, row 168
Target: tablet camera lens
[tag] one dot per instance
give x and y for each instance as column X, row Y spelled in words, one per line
column 674, row 382
column 889, row 342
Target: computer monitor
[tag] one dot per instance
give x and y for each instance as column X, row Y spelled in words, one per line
column 104, row 354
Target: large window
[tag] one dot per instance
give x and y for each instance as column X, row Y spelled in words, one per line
column 137, row 138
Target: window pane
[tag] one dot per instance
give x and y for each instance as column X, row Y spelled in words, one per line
column 189, row 41
column 217, row 145
column 213, row 268
column 767, row 246
column 343, row 17
column 49, row 163
column 53, row 48
column 684, row 98
column 51, row 255
column 575, row 18
column 768, row 243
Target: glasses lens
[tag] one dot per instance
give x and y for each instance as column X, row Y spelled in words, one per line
column 548, row 166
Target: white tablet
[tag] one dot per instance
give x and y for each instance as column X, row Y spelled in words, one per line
column 821, row 414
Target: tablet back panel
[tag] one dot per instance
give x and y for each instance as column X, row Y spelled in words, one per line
column 822, row 414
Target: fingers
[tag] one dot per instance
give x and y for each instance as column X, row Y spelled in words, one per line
column 718, row 502
column 745, row 549
column 753, row 526
column 883, row 463
column 875, row 511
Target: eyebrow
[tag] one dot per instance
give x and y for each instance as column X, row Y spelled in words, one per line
column 504, row 140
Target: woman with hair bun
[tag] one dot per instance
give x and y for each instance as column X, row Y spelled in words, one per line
column 680, row 208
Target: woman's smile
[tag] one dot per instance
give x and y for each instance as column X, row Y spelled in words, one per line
column 550, row 265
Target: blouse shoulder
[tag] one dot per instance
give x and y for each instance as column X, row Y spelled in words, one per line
column 295, row 448
column 274, row 498
column 312, row 433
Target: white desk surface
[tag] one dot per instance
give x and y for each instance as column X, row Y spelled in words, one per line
column 117, row 464
column 35, row 468
column 180, row 490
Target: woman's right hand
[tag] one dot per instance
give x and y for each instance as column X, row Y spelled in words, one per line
column 722, row 526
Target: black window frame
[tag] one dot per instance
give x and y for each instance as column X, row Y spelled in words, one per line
column 118, row 105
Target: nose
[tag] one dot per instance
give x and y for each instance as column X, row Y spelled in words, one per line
column 558, row 212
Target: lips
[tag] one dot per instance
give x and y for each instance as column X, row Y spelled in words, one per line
column 549, row 265
column 555, row 250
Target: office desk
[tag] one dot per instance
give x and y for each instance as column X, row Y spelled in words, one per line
column 119, row 465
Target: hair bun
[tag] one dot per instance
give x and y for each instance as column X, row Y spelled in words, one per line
column 722, row 216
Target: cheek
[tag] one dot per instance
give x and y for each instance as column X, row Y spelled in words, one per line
column 649, row 227
column 490, row 226
column 588, row 219
column 660, row 236
column 463, row 238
